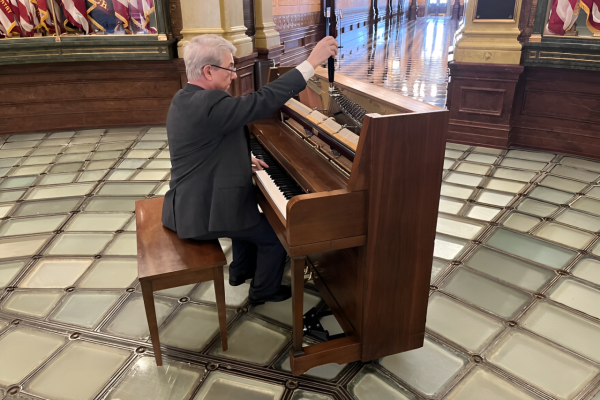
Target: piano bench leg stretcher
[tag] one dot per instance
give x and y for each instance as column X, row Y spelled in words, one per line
column 341, row 351
column 149, row 286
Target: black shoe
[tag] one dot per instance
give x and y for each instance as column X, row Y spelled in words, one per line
column 238, row 280
column 283, row 293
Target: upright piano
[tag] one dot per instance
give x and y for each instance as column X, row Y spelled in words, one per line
column 352, row 194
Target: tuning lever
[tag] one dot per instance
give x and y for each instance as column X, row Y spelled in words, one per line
column 331, row 69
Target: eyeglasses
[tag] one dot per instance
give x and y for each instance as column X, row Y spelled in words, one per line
column 232, row 70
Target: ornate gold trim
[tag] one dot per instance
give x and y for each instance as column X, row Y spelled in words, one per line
column 544, row 55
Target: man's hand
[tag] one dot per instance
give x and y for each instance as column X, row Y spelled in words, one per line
column 327, row 47
column 258, row 165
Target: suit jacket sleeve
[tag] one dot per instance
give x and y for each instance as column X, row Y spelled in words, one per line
column 229, row 113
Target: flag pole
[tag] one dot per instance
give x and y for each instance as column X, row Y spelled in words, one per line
column 56, row 23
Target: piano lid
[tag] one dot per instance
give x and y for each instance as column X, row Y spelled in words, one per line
column 332, row 122
column 374, row 99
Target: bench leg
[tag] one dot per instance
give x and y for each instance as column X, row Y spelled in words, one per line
column 297, row 303
column 220, row 297
column 151, row 317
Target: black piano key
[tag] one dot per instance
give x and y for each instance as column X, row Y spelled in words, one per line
column 285, row 183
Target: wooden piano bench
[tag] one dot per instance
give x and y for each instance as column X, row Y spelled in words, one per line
column 166, row 261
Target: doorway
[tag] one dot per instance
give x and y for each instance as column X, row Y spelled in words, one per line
column 437, row 7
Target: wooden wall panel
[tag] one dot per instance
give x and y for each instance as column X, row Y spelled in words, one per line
column 245, row 75
column 480, row 100
column 57, row 96
column 558, row 110
column 286, row 7
column 343, row 4
column 299, row 33
column 63, row 96
column 546, row 108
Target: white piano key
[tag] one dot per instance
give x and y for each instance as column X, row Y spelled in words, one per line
column 348, row 134
column 273, row 191
column 298, row 107
column 330, row 125
column 316, row 116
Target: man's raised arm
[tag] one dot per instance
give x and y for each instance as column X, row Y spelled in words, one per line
column 232, row 112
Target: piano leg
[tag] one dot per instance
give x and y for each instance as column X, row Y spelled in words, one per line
column 344, row 350
column 298, row 264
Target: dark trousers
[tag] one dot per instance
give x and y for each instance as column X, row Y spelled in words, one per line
column 258, row 250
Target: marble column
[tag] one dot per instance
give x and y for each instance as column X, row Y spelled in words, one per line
column 456, row 10
column 483, row 78
column 491, row 41
column 267, row 41
column 412, row 10
column 224, row 18
column 232, row 22
column 219, row 17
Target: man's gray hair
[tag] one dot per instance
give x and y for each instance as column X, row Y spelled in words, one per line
column 204, row 50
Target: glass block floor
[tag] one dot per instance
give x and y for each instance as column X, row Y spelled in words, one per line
column 514, row 311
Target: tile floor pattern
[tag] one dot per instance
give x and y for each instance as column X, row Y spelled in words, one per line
column 410, row 57
column 514, row 311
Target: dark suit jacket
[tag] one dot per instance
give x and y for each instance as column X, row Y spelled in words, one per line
column 211, row 186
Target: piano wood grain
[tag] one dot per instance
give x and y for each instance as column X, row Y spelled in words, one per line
column 339, row 351
column 371, row 241
column 325, row 216
column 404, row 155
column 297, row 249
column 336, row 277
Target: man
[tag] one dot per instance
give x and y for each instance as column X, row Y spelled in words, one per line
column 211, row 193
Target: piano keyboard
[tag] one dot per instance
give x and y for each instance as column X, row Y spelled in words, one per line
column 280, row 186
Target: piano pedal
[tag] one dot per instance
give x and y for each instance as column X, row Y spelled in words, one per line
column 308, row 277
column 313, row 327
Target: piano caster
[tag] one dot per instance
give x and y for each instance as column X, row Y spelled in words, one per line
column 313, row 327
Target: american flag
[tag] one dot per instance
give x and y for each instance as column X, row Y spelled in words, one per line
column 148, row 6
column 27, row 18
column 122, row 12
column 8, row 20
column 563, row 16
column 76, row 13
column 565, row 12
column 592, row 9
